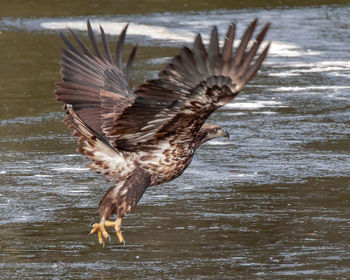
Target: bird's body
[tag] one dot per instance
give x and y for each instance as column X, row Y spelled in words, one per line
column 145, row 137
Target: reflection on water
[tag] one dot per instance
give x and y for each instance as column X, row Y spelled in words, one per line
column 275, row 199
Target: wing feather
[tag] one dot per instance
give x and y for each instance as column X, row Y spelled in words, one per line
column 93, row 41
column 253, row 50
column 189, row 89
column 230, row 36
column 243, row 44
column 200, row 56
column 120, row 43
column 105, row 46
column 214, row 43
column 91, row 81
column 105, row 159
column 80, row 43
column 214, row 56
column 252, row 71
column 130, row 62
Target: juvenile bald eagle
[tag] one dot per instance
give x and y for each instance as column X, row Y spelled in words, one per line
column 145, row 137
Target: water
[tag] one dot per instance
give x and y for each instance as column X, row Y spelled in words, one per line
column 274, row 201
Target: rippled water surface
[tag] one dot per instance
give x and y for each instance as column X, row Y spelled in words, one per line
column 271, row 203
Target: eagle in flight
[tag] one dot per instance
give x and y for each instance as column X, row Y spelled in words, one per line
column 147, row 136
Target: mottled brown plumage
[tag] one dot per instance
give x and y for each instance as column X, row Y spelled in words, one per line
column 144, row 137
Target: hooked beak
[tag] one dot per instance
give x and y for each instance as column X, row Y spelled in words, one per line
column 226, row 134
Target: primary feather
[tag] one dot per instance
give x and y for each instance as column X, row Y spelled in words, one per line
column 148, row 136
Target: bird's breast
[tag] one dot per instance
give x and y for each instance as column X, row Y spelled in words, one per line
column 166, row 163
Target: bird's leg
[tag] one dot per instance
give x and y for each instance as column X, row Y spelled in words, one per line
column 116, row 224
column 100, row 229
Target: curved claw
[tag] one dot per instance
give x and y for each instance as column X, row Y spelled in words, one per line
column 101, row 231
column 103, row 234
column 116, row 224
column 120, row 237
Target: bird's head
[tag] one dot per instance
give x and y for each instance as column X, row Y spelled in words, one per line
column 210, row 131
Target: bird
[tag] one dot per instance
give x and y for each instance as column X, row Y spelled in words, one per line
column 146, row 136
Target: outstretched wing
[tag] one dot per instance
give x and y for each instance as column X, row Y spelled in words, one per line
column 189, row 89
column 93, row 83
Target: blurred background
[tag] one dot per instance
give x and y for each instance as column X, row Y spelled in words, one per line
column 271, row 203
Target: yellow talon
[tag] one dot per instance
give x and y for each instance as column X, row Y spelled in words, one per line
column 120, row 237
column 102, row 233
column 116, row 224
column 100, row 239
column 94, row 229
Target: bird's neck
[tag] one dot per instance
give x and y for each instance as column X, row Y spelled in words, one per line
column 200, row 138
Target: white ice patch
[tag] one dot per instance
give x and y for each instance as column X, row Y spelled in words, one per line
column 114, row 28
column 182, row 33
column 160, row 196
column 241, row 175
column 159, row 60
column 254, row 105
column 265, row 113
column 43, row 176
column 343, row 75
column 284, row 74
column 234, row 114
column 218, row 143
column 325, row 66
column 3, row 172
column 289, row 50
column 79, row 191
column 70, row 169
column 334, row 68
column 308, row 89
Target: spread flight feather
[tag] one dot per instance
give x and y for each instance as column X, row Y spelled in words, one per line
column 147, row 136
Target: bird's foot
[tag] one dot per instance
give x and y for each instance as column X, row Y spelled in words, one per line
column 116, row 224
column 102, row 233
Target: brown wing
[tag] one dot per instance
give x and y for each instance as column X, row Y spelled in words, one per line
column 189, row 89
column 96, row 87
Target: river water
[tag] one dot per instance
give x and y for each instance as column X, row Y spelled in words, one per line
column 271, row 203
